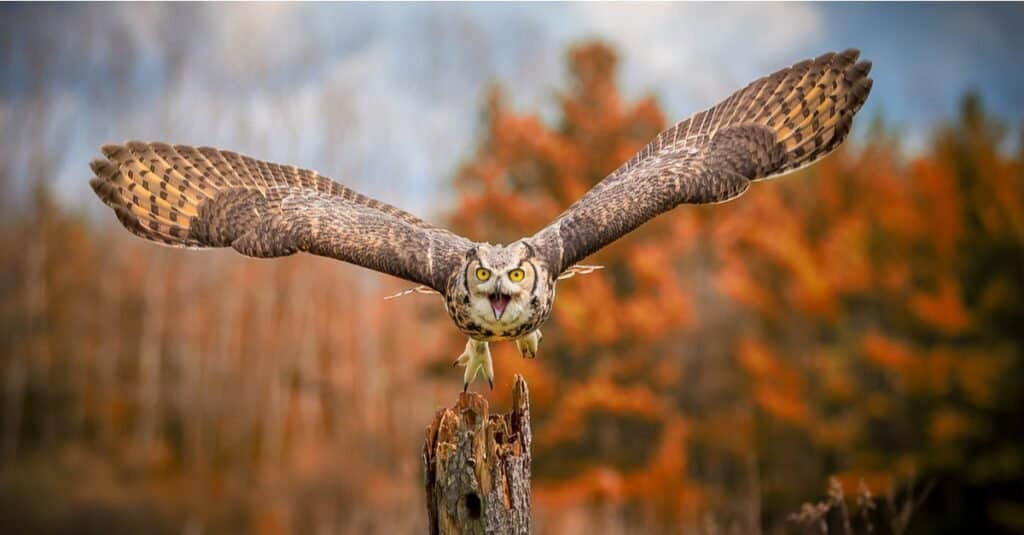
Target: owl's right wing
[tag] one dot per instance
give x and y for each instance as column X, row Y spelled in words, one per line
column 774, row 125
column 203, row 197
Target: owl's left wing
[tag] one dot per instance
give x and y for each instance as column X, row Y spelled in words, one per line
column 774, row 125
column 204, row 197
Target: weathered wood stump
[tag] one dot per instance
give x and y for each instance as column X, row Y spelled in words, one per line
column 477, row 466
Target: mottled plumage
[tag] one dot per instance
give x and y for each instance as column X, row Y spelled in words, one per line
column 776, row 124
column 188, row 197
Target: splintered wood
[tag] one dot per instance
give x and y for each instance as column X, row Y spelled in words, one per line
column 477, row 466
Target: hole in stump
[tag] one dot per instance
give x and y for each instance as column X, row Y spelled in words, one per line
column 473, row 505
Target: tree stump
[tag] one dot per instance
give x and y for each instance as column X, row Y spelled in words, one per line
column 477, row 466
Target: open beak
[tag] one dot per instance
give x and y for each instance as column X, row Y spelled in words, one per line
column 498, row 303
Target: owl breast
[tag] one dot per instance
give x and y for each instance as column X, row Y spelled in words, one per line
column 475, row 318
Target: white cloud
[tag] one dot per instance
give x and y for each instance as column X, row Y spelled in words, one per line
column 256, row 37
column 695, row 54
column 386, row 98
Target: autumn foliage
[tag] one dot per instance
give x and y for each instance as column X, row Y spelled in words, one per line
column 858, row 320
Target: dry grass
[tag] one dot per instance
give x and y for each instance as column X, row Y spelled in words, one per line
column 865, row 514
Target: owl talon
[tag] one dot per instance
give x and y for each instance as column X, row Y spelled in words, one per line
column 529, row 344
column 476, row 359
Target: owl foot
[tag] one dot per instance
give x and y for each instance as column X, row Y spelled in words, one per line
column 476, row 359
column 528, row 345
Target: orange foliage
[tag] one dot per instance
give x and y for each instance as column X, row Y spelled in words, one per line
column 861, row 318
column 892, row 356
column 851, row 298
column 944, row 309
column 597, row 396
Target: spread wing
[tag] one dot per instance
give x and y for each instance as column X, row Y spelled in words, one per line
column 188, row 197
column 774, row 125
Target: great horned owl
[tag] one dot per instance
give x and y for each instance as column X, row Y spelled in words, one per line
column 188, row 197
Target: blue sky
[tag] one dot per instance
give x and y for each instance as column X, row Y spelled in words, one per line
column 386, row 97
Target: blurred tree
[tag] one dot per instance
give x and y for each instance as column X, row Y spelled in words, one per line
column 890, row 296
column 861, row 319
column 608, row 425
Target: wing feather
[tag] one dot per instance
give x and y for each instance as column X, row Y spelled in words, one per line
column 774, row 125
column 184, row 196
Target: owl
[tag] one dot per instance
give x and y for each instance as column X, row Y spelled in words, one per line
column 204, row 197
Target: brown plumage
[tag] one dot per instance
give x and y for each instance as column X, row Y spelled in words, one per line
column 188, row 197
column 774, row 125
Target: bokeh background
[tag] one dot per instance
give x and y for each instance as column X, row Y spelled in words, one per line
column 840, row 350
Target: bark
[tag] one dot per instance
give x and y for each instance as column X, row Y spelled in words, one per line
column 477, row 466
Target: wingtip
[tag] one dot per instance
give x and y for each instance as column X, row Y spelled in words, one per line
column 862, row 68
column 97, row 183
column 827, row 57
column 110, row 149
column 801, row 65
column 866, row 87
column 136, row 145
column 99, row 166
column 850, row 54
column 106, row 192
column 865, row 67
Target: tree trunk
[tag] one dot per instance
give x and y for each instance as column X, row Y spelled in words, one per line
column 477, row 466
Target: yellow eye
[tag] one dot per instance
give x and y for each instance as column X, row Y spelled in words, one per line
column 483, row 273
column 516, row 275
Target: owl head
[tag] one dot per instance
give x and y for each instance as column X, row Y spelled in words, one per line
column 502, row 281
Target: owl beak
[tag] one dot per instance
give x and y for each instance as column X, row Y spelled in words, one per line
column 498, row 303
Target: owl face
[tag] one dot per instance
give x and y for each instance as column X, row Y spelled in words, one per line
column 500, row 282
column 500, row 292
